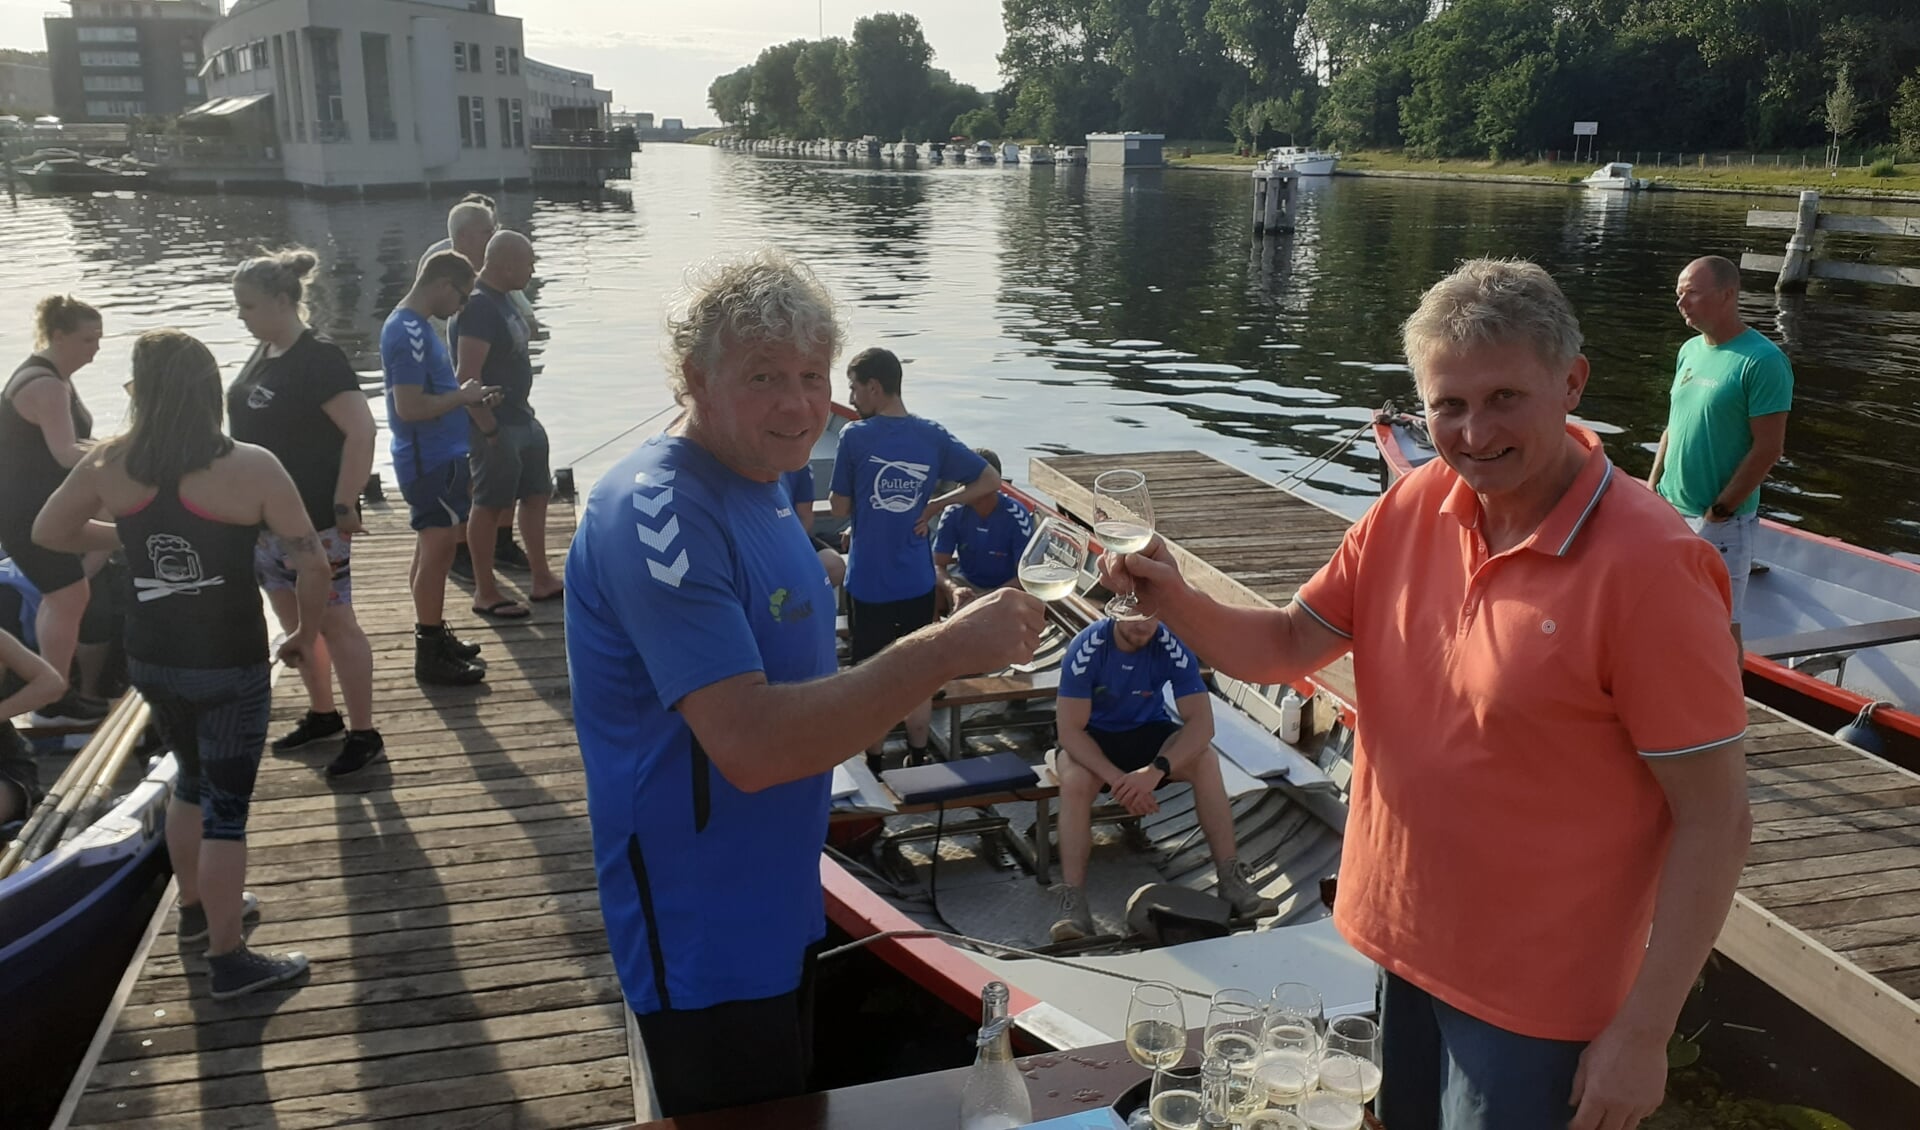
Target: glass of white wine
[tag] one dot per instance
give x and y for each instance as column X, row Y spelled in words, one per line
column 1296, row 1002
column 1287, row 1071
column 1234, row 1021
column 1050, row 565
column 1271, row 1119
column 1123, row 521
column 1350, row 1059
column 1175, row 1102
column 1156, row 1025
column 1324, row 1110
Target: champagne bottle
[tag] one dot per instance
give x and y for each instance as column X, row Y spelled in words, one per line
column 995, row 1096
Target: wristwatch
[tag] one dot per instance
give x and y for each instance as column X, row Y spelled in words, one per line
column 1720, row 510
column 341, row 510
column 1166, row 767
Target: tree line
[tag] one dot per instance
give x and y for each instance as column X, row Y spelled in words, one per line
column 881, row 82
column 1469, row 77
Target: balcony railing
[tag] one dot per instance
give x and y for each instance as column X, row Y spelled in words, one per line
column 185, row 151
column 620, row 140
column 382, row 131
column 327, row 132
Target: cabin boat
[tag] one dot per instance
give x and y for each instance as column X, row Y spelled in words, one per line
column 983, row 152
column 1302, row 160
column 868, row 146
column 1039, row 155
column 1010, row 153
column 1615, row 176
column 906, row 151
column 1070, row 154
column 1830, row 628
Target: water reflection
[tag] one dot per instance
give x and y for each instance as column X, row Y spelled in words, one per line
column 1051, row 308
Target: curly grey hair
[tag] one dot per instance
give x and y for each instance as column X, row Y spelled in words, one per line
column 758, row 298
column 1493, row 302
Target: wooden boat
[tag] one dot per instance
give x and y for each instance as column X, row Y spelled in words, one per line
column 1830, row 628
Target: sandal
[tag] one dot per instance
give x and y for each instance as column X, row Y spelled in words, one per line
column 504, row 610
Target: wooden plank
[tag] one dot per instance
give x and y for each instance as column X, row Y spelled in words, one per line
column 1849, row 271
column 1851, row 637
column 1839, row 221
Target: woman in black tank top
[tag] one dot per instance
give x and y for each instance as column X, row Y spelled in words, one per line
column 188, row 503
column 43, row 431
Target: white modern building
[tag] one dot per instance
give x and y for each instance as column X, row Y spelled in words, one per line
column 551, row 88
column 369, row 93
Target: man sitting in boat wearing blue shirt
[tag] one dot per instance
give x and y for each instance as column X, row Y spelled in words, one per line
column 987, row 536
column 799, row 487
column 884, row 476
column 1116, row 735
column 1727, row 424
column 696, row 608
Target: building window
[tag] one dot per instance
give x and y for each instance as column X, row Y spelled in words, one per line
column 229, row 61
column 519, row 127
column 513, row 60
column 109, row 34
column 193, row 86
column 190, row 61
column 459, row 56
column 109, row 58
column 473, row 122
column 499, row 60
column 473, row 57
column 258, row 50
column 115, row 108
column 373, row 58
column 113, row 83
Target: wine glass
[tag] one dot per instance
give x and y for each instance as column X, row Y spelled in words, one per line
column 1050, row 565
column 1175, row 1102
column 1286, row 1072
column 1292, row 1005
column 1234, row 1021
column 1156, row 1025
column 1350, row 1059
column 1123, row 521
column 1273, row 1119
column 1324, row 1110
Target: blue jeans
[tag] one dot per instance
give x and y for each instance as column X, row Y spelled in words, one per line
column 1445, row 1070
column 215, row 718
column 1734, row 539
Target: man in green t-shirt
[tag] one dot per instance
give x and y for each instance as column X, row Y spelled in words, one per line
column 1727, row 425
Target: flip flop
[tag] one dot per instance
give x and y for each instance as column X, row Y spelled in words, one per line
column 556, row 594
column 504, row 610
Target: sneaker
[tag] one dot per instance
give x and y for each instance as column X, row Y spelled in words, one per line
column 918, row 755
column 193, row 919
column 361, row 749
column 71, row 711
column 1076, row 917
column 462, row 568
column 437, row 662
column 314, row 729
column 243, row 971
column 507, row 554
column 1238, row 891
column 461, row 647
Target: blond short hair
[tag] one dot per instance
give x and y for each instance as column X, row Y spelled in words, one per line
column 1493, row 302
column 762, row 297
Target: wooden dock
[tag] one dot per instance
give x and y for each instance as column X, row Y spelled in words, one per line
column 446, row 897
column 1828, row 912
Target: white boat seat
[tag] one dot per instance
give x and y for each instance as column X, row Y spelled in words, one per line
column 1852, row 637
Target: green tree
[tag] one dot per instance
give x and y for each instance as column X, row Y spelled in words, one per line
column 1905, row 117
column 1840, row 112
column 730, row 97
column 821, row 72
column 888, row 73
column 981, row 124
column 776, row 89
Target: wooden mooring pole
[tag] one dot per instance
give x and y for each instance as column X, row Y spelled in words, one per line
column 1799, row 262
column 1275, row 198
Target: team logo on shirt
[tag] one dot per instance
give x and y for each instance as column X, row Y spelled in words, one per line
column 1084, row 654
column 176, row 570
column 259, row 397
column 897, row 484
column 416, row 340
column 659, row 539
column 784, row 612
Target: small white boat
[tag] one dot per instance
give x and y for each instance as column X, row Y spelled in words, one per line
column 1070, row 154
column 1010, row 153
column 1039, row 155
column 1615, row 176
column 983, row 152
column 907, row 151
column 868, row 146
column 1303, row 160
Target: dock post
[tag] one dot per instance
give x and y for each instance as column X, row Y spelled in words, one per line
column 1284, row 212
column 1260, row 194
column 1277, row 185
column 1799, row 260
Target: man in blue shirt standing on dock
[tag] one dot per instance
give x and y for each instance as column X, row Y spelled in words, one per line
column 987, row 536
column 885, row 473
column 700, row 647
column 1727, row 426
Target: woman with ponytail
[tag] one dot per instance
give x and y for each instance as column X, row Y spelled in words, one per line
column 188, row 503
column 44, row 429
column 299, row 398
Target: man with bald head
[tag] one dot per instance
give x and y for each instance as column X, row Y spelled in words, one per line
column 510, row 461
column 1727, row 422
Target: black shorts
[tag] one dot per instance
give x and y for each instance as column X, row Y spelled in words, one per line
column 872, row 626
column 439, row 497
column 695, row 1056
column 1135, row 748
column 49, row 571
column 19, row 774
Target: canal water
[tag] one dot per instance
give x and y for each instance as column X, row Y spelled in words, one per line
column 1005, row 290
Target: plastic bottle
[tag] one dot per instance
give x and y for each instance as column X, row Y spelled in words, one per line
column 995, row 1096
column 1292, row 707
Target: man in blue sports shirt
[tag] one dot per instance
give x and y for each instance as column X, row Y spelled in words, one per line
column 986, row 536
column 799, row 487
column 1116, row 735
column 700, row 646
column 884, row 474
column 429, row 446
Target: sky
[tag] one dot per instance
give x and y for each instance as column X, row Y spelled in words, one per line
column 659, row 55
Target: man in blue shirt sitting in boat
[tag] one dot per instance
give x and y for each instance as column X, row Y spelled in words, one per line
column 799, row 488
column 1116, row 735
column 884, row 476
column 1727, row 424
column 700, row 646
column 986, row 537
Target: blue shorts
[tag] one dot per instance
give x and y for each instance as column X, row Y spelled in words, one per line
column 1734, row 539
column 440, row 496
column 1445, row 1070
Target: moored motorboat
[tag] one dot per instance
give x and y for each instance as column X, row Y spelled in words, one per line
column 1302, row 160
column 1615, row 176
column 1830, row 628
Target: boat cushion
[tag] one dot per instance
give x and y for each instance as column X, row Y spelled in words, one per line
column 969, row 776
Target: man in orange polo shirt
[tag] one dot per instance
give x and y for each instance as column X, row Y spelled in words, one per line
column 1549, row 808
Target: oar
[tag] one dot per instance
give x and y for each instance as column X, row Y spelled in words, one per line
column 101, row 792
column 53, row 808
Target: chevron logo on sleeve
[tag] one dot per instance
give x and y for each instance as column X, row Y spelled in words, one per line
column 1083, row 655
column 416, row 343
column 659, row 541
column 1178, row 653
